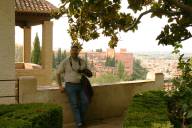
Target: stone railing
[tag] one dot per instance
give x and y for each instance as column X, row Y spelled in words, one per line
column 29, row 69
column 109, row 100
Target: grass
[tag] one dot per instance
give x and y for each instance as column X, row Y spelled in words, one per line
column 148, row 110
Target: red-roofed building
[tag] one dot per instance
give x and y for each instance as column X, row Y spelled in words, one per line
column 98, row 60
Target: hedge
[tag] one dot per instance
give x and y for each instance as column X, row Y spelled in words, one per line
column 148, row 110
column 37, row 115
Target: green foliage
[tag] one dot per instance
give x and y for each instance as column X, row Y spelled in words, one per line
column 36, row 52
column 58, row 56
column 148, row 110
column 14, row 123
column 110, row 62
column 89, row 19
column 31, row 116
column 99, row 50
column 122, row 74
column 86, row 58
column 53, row 61
column 139, row 72
column 139, row 4
column 105, row 78
column 63, row 55
column 180, row 100
column 119, row 75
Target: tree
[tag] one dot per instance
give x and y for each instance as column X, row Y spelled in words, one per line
column 180, row 97
column 121, row 71
column 54, row 61
column 59, row 57
column 88, row 19
column 139, row 72
column 110, row 62
column 36, row 52
column 63, row 54
column 99, row 50
column 86, row 58
column 105, row 78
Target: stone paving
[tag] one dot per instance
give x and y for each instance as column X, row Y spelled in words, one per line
column 106, row 123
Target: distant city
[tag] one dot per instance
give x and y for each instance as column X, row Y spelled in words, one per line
column 154, row 62
column 106, row 61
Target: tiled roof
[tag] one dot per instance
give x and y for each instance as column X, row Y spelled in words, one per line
column 33, row 6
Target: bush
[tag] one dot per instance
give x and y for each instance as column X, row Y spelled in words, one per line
column 180, row 97
column 31, row 116
column 148, row 110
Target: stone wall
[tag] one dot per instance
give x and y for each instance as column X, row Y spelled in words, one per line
column 42, row 75
column 109, row 100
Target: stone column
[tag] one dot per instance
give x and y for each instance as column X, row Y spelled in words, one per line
column 27, row 44
column 7, row 41
column 159, row 80
column 7, row 47
column 46, row 54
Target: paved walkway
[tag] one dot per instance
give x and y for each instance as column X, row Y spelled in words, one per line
column 107, row 123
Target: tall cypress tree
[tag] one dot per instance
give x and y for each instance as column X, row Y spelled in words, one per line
column 59, row 56
column 36, row 52
column 86, row 58
column 139, row 72
column 110, row 62
column 63, row 55
column 54, row 60
column 121, row 70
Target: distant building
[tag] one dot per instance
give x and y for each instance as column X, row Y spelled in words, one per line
column 126, row 58
column 110, row 53
column 98, row 59
column 160, row 63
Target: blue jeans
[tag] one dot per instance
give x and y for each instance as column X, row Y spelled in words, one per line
column 78, row 101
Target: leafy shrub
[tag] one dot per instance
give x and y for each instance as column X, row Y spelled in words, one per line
column 148, row 110
column 180, row 98
column 31, row 116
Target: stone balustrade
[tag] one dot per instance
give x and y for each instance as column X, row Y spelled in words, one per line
column 109, row 100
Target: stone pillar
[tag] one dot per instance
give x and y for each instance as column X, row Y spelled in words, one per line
column 7, row 41
column 159, row 80
column 27, row 44
column 7, row 47
column 27, row 89
column 46, row 54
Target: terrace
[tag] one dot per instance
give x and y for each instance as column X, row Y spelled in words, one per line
column 109, row 103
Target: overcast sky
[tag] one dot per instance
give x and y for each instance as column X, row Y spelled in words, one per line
column 143, row 40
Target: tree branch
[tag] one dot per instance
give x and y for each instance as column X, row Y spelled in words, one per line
column 169, row 13
column 136, row 21
column 186, row 38
column 183, row 7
